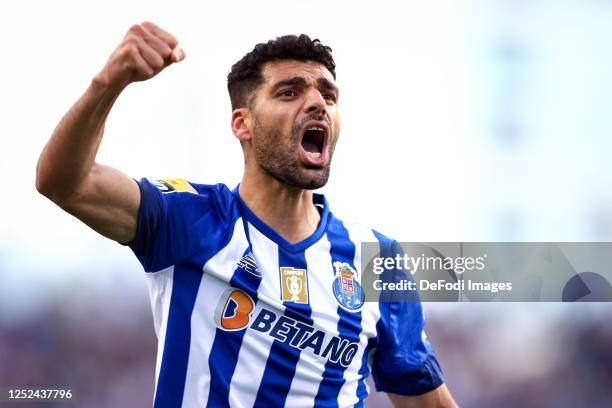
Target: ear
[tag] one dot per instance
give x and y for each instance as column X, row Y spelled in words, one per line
column 241, row 124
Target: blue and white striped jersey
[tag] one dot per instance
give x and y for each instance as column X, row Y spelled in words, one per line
column 244, row 318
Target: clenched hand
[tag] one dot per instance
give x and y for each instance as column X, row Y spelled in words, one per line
column 144, row 52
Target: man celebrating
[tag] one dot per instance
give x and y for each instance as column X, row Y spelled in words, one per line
column 255, row 291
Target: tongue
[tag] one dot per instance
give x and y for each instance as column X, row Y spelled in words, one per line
column 310, row 146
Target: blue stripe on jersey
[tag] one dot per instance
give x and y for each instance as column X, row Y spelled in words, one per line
column 364, row 371
column 349, row 323
column 282, row 360
column 185, row 285
column 226, row 346
column 385, row 250
column 171, row 381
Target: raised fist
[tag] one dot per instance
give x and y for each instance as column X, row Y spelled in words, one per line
column 144, row 52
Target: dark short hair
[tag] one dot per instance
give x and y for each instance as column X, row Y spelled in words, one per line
column 245, row 76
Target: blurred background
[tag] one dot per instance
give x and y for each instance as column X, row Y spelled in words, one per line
column 479, row 120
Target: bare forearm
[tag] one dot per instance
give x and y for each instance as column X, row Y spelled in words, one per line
column 71, row 151
column 102, row 197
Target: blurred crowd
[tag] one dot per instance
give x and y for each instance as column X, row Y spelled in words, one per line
column 106, row 358
column 493, row 355
column 527, row 355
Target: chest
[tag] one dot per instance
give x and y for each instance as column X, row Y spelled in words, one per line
column 315, row 285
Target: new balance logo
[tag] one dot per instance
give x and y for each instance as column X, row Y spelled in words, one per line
column 247, row 262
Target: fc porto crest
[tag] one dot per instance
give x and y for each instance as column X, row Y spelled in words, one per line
column 347, row 289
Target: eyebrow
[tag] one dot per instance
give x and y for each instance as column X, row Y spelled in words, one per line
column 297, row 80
column 327, row 84
column 301, row 81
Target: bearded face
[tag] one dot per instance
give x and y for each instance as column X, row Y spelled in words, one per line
column 296, row 123
column 279, row 154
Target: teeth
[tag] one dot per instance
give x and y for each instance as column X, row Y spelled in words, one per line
column 315, row 128
column 313, row 155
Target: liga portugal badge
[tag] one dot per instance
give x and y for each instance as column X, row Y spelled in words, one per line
column 294, row 285
column 347, row 289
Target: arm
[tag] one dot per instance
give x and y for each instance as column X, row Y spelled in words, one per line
column 438, row 398
column 102, row 197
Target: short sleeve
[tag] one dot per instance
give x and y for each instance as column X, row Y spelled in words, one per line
column 404, row 362
column 175, row 219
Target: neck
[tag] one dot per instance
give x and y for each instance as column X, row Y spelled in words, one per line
column 287, row 210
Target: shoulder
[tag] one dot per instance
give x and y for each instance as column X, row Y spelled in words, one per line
column 181, row 199
column 181, row 185
column 176, row 188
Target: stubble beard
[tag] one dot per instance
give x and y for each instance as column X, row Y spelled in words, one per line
column 279, row 158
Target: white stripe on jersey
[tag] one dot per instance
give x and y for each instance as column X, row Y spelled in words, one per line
column 370, row 314
column 160, row 291
column 217, row 273
column 310, row 368
column 256, row 347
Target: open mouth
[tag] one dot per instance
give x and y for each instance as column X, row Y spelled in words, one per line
column 313, row 141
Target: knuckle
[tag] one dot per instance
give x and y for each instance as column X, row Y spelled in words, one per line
column 148, row 71
column 130, row 43
column 172, row 42
column 157, row 64
column 129, row 50
column 136, row 29
column 165, row 52
column 141, row 67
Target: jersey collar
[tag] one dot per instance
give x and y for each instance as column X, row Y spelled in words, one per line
column 317, row 199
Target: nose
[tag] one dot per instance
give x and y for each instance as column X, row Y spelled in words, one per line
column 315, row 103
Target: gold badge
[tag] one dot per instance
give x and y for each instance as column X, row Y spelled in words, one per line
column 171, row 185
column 294, row 284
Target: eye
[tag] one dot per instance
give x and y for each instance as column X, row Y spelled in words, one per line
column 329, row 97
column 288, row 93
